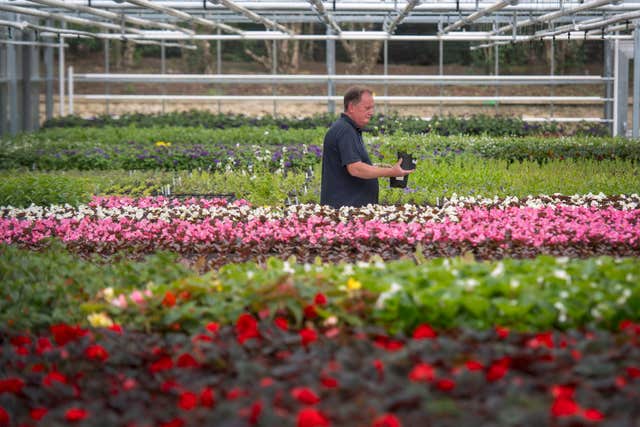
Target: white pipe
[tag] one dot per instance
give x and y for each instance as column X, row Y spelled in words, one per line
column 110, row 15
column 477, row 15
column 616, row 69
column 63, row 18
column 342, row 6
column 184, row 16
column 61, row 75
column 326, row 17
column 254, row 16
column 554, row 15
column 305, row 98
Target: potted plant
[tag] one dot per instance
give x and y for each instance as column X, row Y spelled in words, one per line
column 404, row 148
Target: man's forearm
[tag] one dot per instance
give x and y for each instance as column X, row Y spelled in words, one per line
column 365, row 171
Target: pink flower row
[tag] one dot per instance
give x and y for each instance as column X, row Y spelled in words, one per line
column 517, row 225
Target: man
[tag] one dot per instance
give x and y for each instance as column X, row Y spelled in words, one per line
column 348, row 177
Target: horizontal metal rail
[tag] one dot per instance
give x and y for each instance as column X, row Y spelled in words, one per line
column 323, row 78
column 391, row 99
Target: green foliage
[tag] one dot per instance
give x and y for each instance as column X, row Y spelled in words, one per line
column 380, row 124
column 40, row 289
column 529, row 295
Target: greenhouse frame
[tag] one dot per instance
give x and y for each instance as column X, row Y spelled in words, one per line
column 33, row 32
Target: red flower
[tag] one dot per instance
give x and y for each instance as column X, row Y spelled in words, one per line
column 310, row 312
column 4, row 417
column 474, row 365
column 20, row 340
column 236, row 393
column 266, row 382
column 310, row 417
column 386, row 420
column 187, row 361
column 320, row 299
column 169, row 299
column 308, row 336
column 43, row 345
column 54, row 376
column 329, row 382
column 387, row 343
column 115, row 328
column 162, row 364
column 633, row 372
column 424, row 331
column 213, row 327
column 282, row 323
column 96, row 352
column 64, row 333
column 11, row 385
column 563, row 407
column 246, row 328
column 498, row 369
column 502, row 332
column 176, row 422
column 377, row 363
column 256, row 410
column 445, row 384
column 207, row 397
column 592, row 415
column 541, row 340
column 169, row 385
column 422, row 372
column 38, row 413
column 75, row 414
column 562, row 392
column 188, row 400
column 305, row 395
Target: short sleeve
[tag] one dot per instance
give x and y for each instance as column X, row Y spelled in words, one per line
column 348, row 148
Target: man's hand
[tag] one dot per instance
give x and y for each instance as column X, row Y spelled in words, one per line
column 397, row 170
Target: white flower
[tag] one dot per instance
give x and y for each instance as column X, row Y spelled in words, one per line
column 393, row 289
column 498, row 271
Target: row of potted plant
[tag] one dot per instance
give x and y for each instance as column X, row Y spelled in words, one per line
column 162, row 294
column 186, row 148
column 449, row 125
column 263, row 372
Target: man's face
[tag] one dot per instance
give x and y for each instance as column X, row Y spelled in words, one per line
column 362, row 111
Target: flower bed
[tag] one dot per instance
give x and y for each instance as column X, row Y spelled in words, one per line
column 160, row 294
column 236, row 233
column 264, row 373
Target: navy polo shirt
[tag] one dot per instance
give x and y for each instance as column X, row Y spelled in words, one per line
column 343, row 145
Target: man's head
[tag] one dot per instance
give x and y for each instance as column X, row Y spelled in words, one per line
column 358, row 105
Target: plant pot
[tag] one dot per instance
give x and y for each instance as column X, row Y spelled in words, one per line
column 408, row 162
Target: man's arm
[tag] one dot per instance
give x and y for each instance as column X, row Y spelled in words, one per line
column 365, row 171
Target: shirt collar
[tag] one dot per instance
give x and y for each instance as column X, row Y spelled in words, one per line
column 351, row 122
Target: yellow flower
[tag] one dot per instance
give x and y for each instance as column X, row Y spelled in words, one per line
column 163, row 144
column 353, row 284
column 100, row 320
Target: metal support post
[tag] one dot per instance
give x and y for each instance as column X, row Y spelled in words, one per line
column 163, row 70
column 4, row 125
column 107, row 85
column 440, row 69
column 30, row 92
column 552, row 72
column 48, row 71
column 274, row 71
column 12, row 77
column 608, row 86
column 71, row 90
column 61, row 75
column 219, row 63
column 386, row 73
column 331, row 70
column 621, row 86
column 636, row 82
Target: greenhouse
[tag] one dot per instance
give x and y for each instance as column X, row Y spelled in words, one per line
column 319, row 213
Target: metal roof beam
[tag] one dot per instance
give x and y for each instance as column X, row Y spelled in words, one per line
column 411, row 4
column 254, row 16
column 479, row 14
column 185, row 16
column 111, row 15
column 326, row 17
column 590, row 24
column 553, row 15
column 65, row 18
